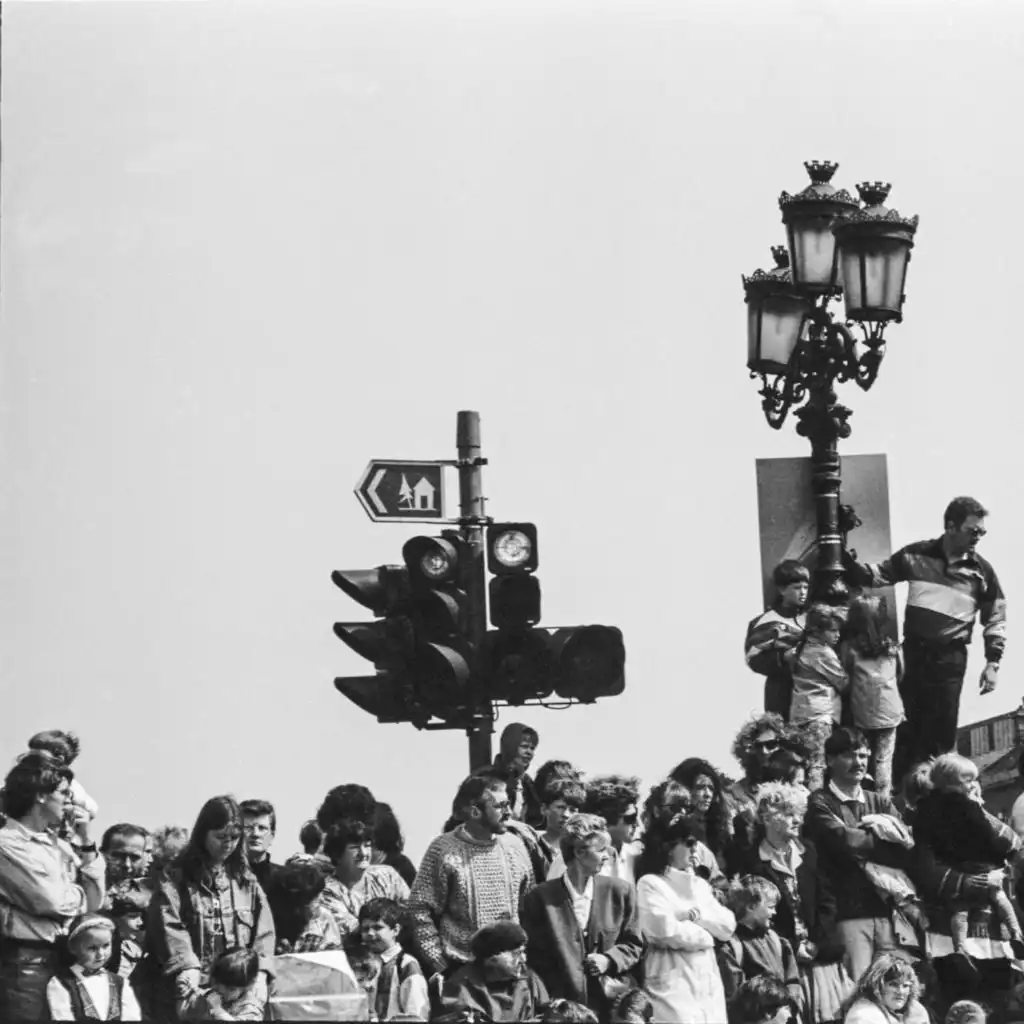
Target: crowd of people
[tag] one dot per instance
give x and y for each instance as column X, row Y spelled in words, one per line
column 851, row 873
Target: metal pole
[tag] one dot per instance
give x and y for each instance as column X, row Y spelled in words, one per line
column 472, row 521
column 823, row 422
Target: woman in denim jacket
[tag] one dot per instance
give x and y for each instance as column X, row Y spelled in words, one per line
column 209, row 902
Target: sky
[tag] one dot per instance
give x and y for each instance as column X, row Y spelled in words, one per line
column 245, row 248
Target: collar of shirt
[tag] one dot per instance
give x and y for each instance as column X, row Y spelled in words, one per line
column 856, row 797
column 45, row 837
column 389, row 954
column 581, row 901
column 783, row 858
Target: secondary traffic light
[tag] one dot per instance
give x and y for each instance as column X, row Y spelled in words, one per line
column 388, row 643
column 514, row 592
column 591, row 662
column 442, row 655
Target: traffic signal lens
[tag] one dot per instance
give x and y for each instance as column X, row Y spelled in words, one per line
column 512, row 549
column 434, row 565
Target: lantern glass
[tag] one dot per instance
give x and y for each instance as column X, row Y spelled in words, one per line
column 812, row 252
column 874, row 273
column 773, row 330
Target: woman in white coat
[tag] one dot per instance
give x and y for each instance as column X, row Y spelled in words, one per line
column 680, row 919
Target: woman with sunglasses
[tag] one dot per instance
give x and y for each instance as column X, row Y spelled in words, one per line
column 680, row 919
column 208, row 901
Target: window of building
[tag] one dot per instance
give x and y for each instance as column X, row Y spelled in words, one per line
column 980, row 740
column 1003, row 734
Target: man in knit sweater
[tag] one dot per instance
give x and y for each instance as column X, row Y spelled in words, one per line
column 470, row 877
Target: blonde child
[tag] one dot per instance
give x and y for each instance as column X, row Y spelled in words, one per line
column 874, row 663
column 952, row 822
column 819, row 681
column 755, row 947
column 87, row 990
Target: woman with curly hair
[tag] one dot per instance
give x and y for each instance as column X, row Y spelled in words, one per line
column 349, row 845
column 665, row 800
column 805, row 915
column 887, row 993
column 615, row 798
column 680, row 920
column 709, row 803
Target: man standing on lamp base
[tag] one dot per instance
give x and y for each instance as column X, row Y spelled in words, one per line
column 950, row 585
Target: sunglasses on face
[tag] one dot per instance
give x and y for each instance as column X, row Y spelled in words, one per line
column 628, row 819
column 976, row 531
column 766, row 744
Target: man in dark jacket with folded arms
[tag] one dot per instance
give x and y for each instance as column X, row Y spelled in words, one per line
column 863, row 920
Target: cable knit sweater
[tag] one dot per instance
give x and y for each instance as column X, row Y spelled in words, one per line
column 462, row 885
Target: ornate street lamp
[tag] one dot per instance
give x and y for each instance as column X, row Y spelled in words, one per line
column 799, row 351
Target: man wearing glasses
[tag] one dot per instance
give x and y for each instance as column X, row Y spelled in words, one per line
column 471, row 877
column 950, row 585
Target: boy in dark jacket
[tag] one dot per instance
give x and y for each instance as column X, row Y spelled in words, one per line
column 776, row 631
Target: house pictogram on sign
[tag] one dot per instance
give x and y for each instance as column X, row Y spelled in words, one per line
column 419, row 497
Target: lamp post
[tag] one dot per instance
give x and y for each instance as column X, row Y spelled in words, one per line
column 799, row 350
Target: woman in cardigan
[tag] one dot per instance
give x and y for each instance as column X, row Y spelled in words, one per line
column 582, row 926
column 208, row 902
column 806, row 911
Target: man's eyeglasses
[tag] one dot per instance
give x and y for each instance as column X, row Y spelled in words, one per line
column 975, row 531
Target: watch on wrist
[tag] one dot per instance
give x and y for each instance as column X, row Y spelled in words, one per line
column 88, row 848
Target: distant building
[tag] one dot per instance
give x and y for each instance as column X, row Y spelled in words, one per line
column 995, row 745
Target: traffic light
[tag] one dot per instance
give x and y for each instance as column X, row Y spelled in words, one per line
column 514, row 592
column 441, row 654
column 388, row 643
column 590, row 662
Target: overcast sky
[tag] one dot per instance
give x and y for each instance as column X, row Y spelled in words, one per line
column 248, row 247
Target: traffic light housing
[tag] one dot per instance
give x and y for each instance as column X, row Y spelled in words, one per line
column 387, row 642
column 591, row 662
column 441, row 653
column 514, row 592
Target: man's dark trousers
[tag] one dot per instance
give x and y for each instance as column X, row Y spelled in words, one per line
column 932, row 681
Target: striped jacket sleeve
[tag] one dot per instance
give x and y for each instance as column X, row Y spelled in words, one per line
column 993, row 616
column 878, row 574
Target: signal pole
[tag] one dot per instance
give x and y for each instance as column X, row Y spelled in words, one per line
column 472, row 522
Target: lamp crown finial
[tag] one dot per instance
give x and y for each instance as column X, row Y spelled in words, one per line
column 821, row 171
column 780, row 253
column 874, row 193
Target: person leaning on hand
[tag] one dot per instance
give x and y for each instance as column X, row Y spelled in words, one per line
column 44, row 883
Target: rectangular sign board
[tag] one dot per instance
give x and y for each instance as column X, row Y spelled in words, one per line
column 787, row 519
column 402, row 491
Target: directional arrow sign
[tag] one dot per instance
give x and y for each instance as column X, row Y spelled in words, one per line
column 394, row 491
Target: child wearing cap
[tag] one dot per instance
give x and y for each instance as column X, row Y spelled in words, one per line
column 87, row 990
column 497, row 983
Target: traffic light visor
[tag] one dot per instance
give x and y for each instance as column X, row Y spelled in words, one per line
column 431, row 559
column 377, row 589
